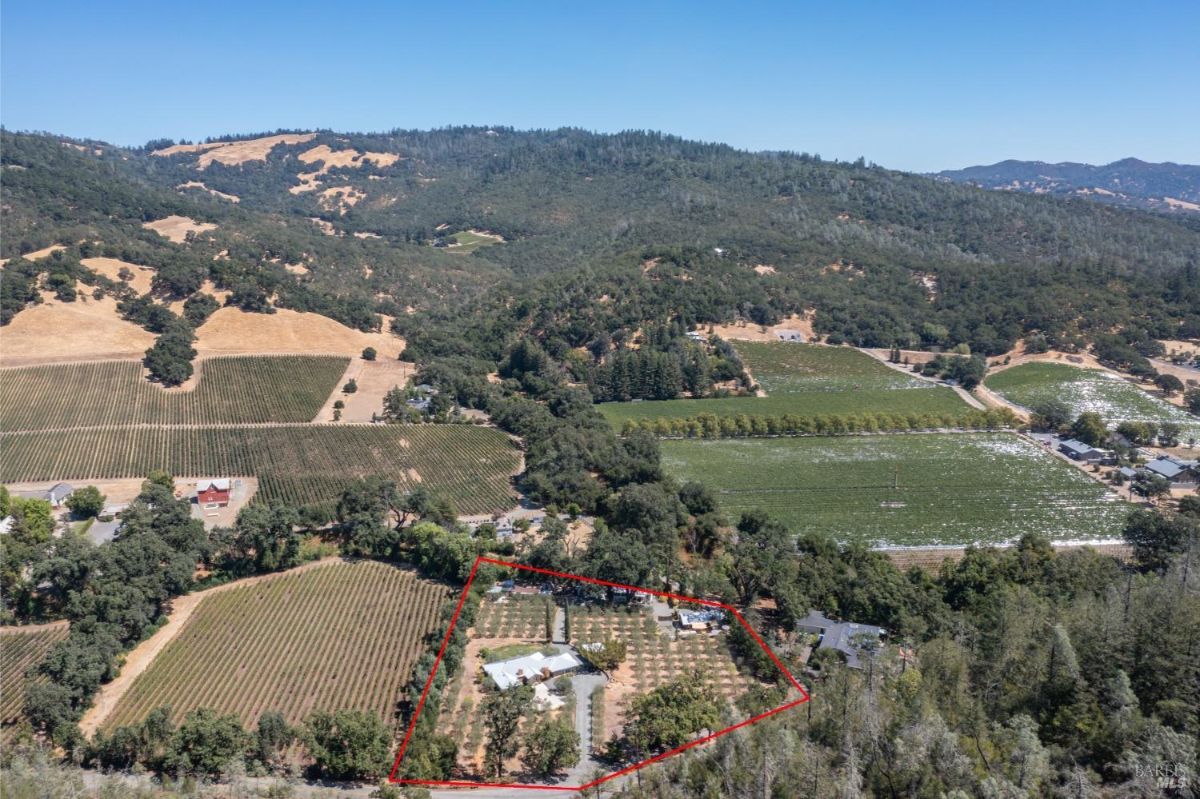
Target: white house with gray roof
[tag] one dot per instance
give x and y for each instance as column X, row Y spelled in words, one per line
column 531, row 668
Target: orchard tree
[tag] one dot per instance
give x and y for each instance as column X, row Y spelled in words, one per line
column 86, row 502
column 605, row 655
column 552, row 745
column 502, row 714
column 671, row 715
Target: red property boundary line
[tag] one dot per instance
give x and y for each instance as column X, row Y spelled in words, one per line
column 804, row 695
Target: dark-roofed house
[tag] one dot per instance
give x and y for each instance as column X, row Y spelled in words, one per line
column 1078, row 451
column 1180, row 473
column 846, row 637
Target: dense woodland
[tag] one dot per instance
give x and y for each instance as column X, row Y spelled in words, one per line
column 1029, row 674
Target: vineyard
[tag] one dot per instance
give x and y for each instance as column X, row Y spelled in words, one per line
column 232, row 390
column 1115, row 399
column 300, row 464
column 340, row 636
column 20, row 650
column 912, row 490
column 807, row 380
column 782, row 368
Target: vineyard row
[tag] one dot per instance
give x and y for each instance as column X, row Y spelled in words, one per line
column 229, row 390
column 302, row 464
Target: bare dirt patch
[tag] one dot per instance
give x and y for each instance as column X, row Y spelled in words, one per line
column 38, row 255
column 195, row 184
column 232, row 331
column 341, row 198
column 326, row 227
column 232, row 153
column 1182, row 205
column 1175, row 346
column 142, row 655
column 764, row 269
column 84, row 329
column 746, row 331
column 207, row 287
column 111, row 269
column 116, row 492
column 176, row 228
column 932, row 558
column 374, row 379
column 330, row 158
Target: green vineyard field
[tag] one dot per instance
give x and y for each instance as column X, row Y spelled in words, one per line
column 20, row 650
column 341, row 636
column 298, row 464
column 807, row 380
column 1115, row 399
column 913, row 490
column 229, row 390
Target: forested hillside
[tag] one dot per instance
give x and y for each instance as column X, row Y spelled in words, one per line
column 883, row 257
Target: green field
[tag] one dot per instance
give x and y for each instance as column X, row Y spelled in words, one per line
column 952, row 488
column 807, row 380
column 1116, row 400
column 231, row 390
column 466, row 242
column 297, row 464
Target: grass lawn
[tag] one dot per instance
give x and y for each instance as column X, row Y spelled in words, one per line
column 1116, row 400
column 468, row 242
column 509, row 651
column 953, row 488
column 807, row 380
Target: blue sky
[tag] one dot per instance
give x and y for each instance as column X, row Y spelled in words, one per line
column 922, row 87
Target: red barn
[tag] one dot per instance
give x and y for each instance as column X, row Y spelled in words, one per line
column 213, row 492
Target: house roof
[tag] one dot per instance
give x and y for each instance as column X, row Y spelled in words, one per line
column 1078, row 447
column 219, row 484
column 514, row 671
column 1166, row 467
column 840, row 635
column 59, row 490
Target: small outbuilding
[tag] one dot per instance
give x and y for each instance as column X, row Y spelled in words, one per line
column 1076, row 450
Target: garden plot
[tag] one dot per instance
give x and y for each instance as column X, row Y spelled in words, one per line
column 1115, row 399
column 904, row 490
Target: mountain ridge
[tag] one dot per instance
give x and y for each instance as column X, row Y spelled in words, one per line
column 1165, row 187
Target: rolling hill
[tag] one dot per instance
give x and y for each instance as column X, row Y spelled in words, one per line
column 1172, row 188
